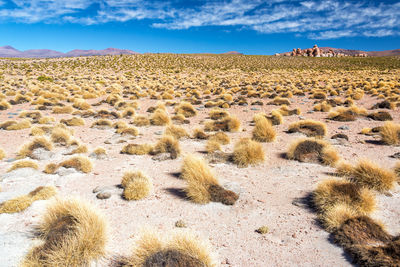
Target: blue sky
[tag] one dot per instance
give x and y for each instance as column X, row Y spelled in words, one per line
column 248, row 26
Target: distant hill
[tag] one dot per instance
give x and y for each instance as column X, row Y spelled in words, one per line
column 232, row 53
column 9, row 51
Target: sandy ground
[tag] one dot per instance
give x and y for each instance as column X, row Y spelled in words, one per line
column 270, row 193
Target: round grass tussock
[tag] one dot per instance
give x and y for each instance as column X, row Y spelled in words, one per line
column 23, row 164
column 79, row 163
column 264, row 131
column 247, row 152
column 310, row 128
column 73, row 233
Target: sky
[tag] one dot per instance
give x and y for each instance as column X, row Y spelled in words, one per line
column 175, row 26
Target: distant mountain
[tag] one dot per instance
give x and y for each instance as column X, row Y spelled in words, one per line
column 232, row 53
column 9, row 51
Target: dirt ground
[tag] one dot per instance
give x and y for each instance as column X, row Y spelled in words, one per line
column 271, row 194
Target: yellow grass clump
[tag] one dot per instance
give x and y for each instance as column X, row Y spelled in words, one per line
column 23, row 164
column 136, row 185
column 390, row 133
column 247, row 152
column 264, row 131
column 312, row 150
column 19, row 125
column 2, row 154
column 212, row 146
column 160, row 117
column 63, row 110
column 60, row 136
column 176, row 131
column 310, row 128
column 167, row 144
column 137, row 149
column 199, row 134
column 21, row 203
column 203, row 186
column 79, row 163
column 370, row 175
column 73, row 121
column 186, row 109
column 38, row 142
column 228, row 124
column 181, row 248
column 72, row 232
column 140, row 121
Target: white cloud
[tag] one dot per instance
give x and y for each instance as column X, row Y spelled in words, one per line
column 315, row 19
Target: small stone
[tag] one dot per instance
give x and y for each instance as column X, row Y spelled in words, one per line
column 263, row 230
column 161, row 157
column 395, row 155
column 294, row 235
column 344, row 127
column 180, row 224
column 158, row 133
column 254, row 108
column 103, row 195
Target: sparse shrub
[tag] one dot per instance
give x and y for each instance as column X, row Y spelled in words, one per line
column 79, row 163
column 380, row 116
column 167, row 144
column 136, row 185
column 310, row 128
column 2, row 154
column 212, row 146
column 60, row 136
column 137, row 149
column 23, row 124
column 141, row 121
column 390, row 133
column 176, row 131
column 23, row 164
column 46, row 120
column 102, row 123
column 186, row 109
column 370, row 175
column 247, row 152
column 38, row 142
column 275, row 118
column 332, row 191
column 312, row 150
column 73, row 234
column 73, row 121
column 218, row 114
column 160, row 117
column 4, row 105
column 128, row 112
column 229, row 124
column 199, row 134
column 203, row 186
column 63, row 110
column 221, row 138
column 174, row 249
column 21, row 203
column 263, row 131
column 128, row 131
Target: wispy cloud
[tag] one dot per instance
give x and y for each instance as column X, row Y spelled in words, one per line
column 329, row 19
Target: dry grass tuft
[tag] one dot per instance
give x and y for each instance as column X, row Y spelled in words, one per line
column 310, row 128
column 160, row 117
column 218, row 114
column 336, row 215
column 199, row 134
column 212, row 146
column 181, row 248
column 73, row 121
column 390, row 133
column 140, row 121
column 203, row 186
column 23, row 124
column 23, row 164
column 221, row 138
column 128, row 131
column 186, row 109
column 228, row 124
column 176, row 131
column 263, row 131
column 38, row 142
column 63, row 110
column 102, row 123
column 167, row 144
column 21, row 203
column 73, row 234
column 79, row 163
column 137, row 149
column 312, row 150
column 247, row 152
column 331, row 192
column 136, row 185
column 2, row 154
column 370, row 175
column 60, row 136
